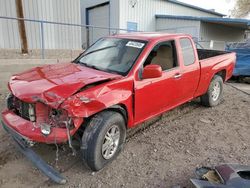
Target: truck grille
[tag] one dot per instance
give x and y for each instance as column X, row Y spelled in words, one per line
column 19, row 107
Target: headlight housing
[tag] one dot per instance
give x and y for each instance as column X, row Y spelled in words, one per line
column 45, row 129
column 58, row 117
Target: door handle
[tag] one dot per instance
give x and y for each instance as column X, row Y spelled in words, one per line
column 177, row 76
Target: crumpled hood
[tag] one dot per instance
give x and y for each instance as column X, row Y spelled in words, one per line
column 52, row 84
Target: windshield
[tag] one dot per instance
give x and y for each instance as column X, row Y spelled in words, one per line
column 112, row 55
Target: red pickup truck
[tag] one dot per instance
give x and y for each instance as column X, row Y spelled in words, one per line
column 116, row 84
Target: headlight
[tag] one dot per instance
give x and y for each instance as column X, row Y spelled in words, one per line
column 58, row 117
column 45, row 129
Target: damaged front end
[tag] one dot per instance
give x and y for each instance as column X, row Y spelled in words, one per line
column 29, row 123
column 40, row 122
column 48, row 105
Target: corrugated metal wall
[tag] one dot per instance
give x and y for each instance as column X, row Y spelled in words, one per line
column 9, row 36
column 55, row 36
column 144, row 12
column 203, row 32
column 217, row 32
column 191, row 27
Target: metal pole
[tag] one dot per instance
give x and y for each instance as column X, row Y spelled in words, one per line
column 92, row 37
column 87, row 37
column 42, row 40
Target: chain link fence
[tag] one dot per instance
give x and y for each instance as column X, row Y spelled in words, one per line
column 46, row 39
column 55, row 40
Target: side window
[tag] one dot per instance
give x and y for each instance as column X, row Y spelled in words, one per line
column 187, row 51
column 163, row 54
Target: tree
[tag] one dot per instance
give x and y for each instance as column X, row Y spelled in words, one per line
column 241, row 9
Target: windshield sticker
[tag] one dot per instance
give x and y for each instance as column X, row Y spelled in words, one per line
column 135, row 44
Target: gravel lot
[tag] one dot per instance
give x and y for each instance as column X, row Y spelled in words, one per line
column 162, row 155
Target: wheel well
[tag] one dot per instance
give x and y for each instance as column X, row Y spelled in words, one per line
column 120, row 108
column 222, row 73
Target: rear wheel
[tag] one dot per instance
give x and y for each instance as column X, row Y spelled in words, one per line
column 214, row 92
column 103, row 139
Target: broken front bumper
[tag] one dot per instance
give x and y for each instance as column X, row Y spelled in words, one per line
column 32, row 131
column 23, row 146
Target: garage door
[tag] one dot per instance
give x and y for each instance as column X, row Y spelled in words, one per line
column 98, row 16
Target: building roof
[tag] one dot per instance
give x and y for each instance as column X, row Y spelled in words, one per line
column 233, row 22
column 195, row 7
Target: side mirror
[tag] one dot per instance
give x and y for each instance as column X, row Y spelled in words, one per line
column 152, row 71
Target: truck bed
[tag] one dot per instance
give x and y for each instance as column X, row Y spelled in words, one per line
column 204, row 53
column 210, row 62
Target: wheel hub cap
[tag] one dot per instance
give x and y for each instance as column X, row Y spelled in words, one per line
column 111, row 141
column 216, row 91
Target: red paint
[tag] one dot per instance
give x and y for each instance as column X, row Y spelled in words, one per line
column 61, row 86
column 152, row 71
column 32, row 131
column 52, row 84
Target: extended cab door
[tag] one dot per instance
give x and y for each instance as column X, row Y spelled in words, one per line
column 190, row 69
column 155, row 95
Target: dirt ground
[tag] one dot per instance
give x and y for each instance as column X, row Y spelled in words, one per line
column 164, row 154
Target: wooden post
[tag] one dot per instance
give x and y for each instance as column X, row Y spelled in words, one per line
column 21, row 27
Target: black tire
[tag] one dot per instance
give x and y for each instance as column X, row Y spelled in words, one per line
column 207, row 99
column 94, row 136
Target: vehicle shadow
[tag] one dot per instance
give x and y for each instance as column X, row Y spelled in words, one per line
column 170, row 115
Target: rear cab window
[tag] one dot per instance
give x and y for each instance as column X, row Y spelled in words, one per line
column 187, row 51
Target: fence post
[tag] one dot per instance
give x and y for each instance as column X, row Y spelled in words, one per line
column 42, row 39
column 87, row 36
column 92, row 37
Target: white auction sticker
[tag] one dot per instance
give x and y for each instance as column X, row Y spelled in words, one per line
column 135, row 44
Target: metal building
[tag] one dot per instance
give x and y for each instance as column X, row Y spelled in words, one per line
column 207, row 30
column 55, row 36
column 112, row 16
column 161, row 15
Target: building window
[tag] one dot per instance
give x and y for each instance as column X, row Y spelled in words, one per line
column 131, row 26
column 187, row 51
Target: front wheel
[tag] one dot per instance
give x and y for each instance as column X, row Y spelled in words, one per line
column 103, row 139
column 214, row 92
